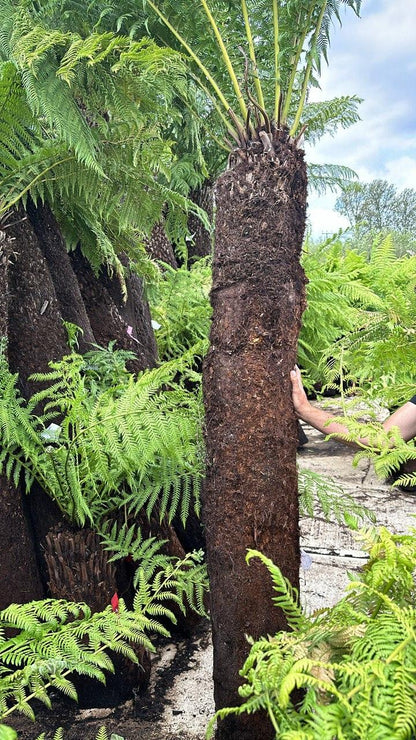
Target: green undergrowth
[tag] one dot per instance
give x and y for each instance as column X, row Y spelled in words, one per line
column 54, row 640
column 99, row 439
column 355, row 662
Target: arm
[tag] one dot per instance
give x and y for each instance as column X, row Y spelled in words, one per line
column 404, row 418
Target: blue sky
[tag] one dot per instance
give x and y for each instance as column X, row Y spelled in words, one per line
column 373, row 57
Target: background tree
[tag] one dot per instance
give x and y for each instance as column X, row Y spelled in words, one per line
column 85, row 174
column 378, row 206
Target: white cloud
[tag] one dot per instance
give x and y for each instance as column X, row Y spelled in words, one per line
column 389, row 30
column 374, row 58
column 402, row 172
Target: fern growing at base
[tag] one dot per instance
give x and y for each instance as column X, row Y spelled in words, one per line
column 55, row 639
column 98, row 448
column 355, row 661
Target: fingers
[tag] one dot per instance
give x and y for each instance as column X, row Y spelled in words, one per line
column 295, row 376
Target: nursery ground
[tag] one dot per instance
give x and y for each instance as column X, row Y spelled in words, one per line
column 179, row 701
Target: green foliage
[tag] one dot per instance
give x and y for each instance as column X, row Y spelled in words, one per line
column 387, row 449
column 323, row 177
column 101, row 735
column 359, row 324
column 355, row 662
column 86, row 113
column 319, row 494
column 7, row 733
column 54, row 639
column 336, row 295
column 274, row 74
column 379, row 353
column 133, row 443
column 180, row 305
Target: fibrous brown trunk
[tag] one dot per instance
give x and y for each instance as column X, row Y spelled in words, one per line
column 200, row 244
column 111, row 315
column 31, row 322
column 79, row 570
column 159, row 247
column 39, row 288
column 53, row 247
column 250, row 495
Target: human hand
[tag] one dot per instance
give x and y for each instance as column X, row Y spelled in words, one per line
column 299, row 397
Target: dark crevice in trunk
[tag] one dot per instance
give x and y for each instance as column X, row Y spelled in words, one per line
column 67, row 290
column 110, row 315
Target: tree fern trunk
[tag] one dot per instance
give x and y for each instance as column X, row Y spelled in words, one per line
column 250, row 496
column 110, row 315
column 40, row 288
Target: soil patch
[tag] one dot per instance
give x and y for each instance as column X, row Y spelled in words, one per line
column 152, row 716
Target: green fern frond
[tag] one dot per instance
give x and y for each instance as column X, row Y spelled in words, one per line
column 323, row 177
column 356, row 660
column 66, row 142
column 287, row 598
column 328, row 116
column 59, row 735
column 144, row 432
column 128, row 542
column 320, row 494
column 184, row 582
column 7, row 733
column 102, row 734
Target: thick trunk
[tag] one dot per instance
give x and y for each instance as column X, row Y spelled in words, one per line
column 67, row 290
column 201, row 242
column 110, row 314
column 20, row 580
column 39, row 288
column 19, row 576
column 35, row 331
column 250, row 495
column 159, row 247
column 31, row 321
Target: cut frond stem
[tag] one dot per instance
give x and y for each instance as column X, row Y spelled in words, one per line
column 252, row 53
column 308, row 71
column 277, row 90
column 195, row 57
column 300, row 134
column 240, row 129
column 266, row 118
column 227, row 60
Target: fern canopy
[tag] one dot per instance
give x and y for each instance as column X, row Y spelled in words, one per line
column 85, row 113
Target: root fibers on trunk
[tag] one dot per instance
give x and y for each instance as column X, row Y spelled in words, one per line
column 250, row 495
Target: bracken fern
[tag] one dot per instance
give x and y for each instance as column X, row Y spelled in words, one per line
column 355, row 661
